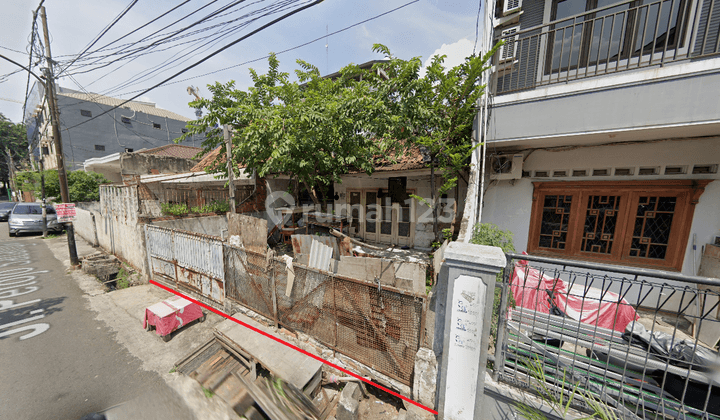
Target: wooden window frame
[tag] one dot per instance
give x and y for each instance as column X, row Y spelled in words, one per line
column 688, row 193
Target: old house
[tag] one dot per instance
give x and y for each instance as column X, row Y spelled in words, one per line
column 167, row 159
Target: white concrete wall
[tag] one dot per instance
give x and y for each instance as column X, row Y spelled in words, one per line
column 508, row 203
column 113, row 234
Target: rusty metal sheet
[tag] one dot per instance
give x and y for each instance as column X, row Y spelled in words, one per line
column 251, row 230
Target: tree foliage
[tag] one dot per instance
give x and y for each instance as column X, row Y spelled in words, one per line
column 313, row 131
column 13, row 140
column 434, row 111
column 317, row 129
column 82, row 186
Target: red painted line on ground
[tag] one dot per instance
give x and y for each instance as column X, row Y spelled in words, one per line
column 292, row 346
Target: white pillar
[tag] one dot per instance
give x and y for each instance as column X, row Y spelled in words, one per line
column 463, row 314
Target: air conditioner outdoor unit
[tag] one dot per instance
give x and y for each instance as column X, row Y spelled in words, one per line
column 503, row 167
column 511, row 6
column 509, row 49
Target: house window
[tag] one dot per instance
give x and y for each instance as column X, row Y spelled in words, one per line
column 156, row 125
column 125, row 120
column 128, row 150
column 100, row 147
column 628, row 29
column 85, row 113
column 45, row 150
column 642, row 223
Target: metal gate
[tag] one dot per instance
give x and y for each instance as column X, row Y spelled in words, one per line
column 188, row 259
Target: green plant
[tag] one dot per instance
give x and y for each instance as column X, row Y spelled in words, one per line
column 82, row 186
column 559, row 400
column 173, row 370
column 208, row 392
column 51, row 236
column 491, row 235
column 214, row 207
column 123, row 278
column 178, row 209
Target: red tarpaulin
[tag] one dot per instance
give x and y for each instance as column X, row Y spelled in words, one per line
column 171, row 314
column 585, row 304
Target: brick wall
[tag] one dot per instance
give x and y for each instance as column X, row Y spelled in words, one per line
column 256, row 203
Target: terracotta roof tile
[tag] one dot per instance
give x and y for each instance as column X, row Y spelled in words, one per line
column 174, row 150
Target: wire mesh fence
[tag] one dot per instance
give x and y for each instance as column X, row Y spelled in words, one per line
column 639, row 341
column 378, row 327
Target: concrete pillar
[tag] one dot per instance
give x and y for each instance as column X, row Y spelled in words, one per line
column 462, row 327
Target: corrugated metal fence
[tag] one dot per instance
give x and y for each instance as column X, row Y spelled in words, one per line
column 379, row 327
column 187, row 259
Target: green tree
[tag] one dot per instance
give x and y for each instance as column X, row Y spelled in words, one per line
column 434, row 111
column 318, row 129
column 82, row 186
column 13, row 143
column 313, row 132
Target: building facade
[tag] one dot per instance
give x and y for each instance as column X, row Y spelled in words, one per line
column 602, row 130
column 135, row 125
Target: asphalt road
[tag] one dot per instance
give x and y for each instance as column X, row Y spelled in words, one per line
column 56, row 360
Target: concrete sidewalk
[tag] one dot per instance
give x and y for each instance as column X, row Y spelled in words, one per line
column 123, row 312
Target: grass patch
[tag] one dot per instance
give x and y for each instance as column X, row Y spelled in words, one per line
column 173, row 370
column 51, row 236
column 208, row 392
column 123, row 277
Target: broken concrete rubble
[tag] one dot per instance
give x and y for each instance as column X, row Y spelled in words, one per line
column 349, row 402
column 101, row 266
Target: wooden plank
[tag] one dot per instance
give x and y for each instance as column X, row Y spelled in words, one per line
column 284, row 362
column 221, row 373
column 263, row 400
column 206, row 369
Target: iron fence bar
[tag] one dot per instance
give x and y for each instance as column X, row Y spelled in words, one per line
column 600, row 43
column 612, row 31
column 642, row 40
column 657, row 25
column 641, row 272
column 499, row 363
column 667, row 31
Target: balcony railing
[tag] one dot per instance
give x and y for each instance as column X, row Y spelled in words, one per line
column 619, row 37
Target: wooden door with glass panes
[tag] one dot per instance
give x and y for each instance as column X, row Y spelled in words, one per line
column 376, row 218
column 371, row 216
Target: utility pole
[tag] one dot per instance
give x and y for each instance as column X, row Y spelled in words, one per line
column 44, row 204
column 55, row 118
column 228, row 146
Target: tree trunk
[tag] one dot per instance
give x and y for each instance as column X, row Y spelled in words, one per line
column 312, row 192
column 433, row 201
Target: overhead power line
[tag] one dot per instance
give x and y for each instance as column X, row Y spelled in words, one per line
column 197, row 63
column 283, row 51
column 104, row 31
column 179, row 57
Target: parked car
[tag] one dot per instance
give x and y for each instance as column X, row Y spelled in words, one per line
column 5, row 209
column 27, row 217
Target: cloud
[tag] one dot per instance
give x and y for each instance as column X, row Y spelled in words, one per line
column 455, row 54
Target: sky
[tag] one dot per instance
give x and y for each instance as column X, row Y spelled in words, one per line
column 421, row 29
